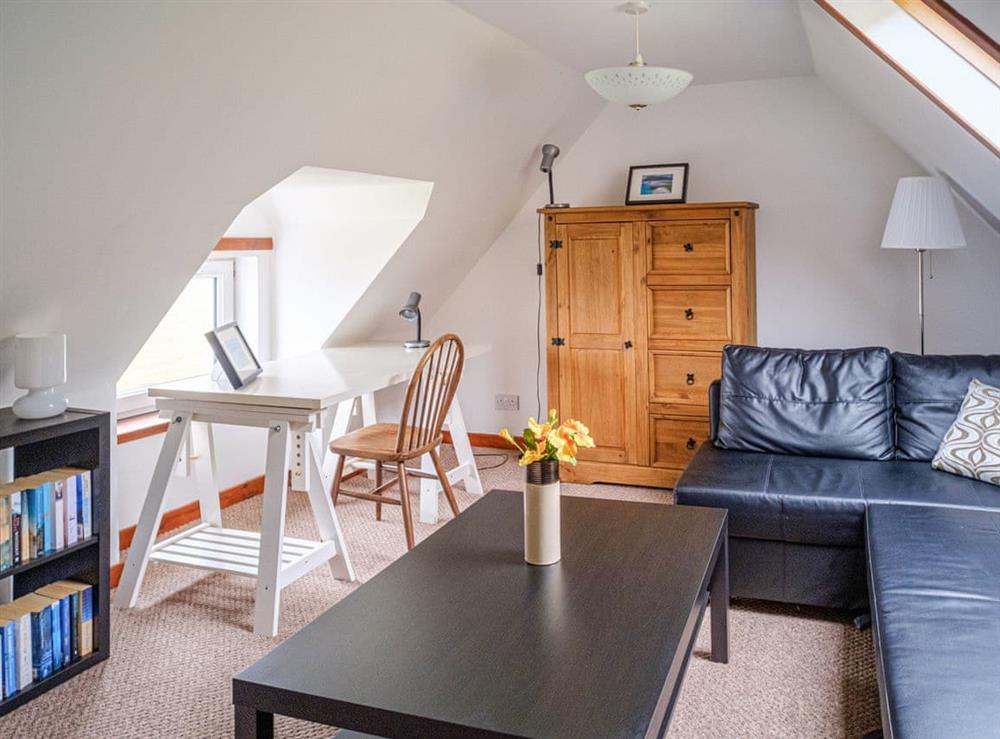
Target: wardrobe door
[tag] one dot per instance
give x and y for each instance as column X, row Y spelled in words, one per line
column 597, row 367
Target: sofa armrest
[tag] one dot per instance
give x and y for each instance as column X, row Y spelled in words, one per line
column 713, row 409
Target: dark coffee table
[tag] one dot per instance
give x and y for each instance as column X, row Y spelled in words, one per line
column 461, row 638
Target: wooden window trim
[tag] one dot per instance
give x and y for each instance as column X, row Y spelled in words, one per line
column 958, row 33
column 245, row 244
column 884, row 56
column 138, row 427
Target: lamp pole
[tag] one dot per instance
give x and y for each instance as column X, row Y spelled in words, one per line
column 920, row 295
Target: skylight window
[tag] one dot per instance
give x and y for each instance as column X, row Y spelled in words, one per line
column 968, row 91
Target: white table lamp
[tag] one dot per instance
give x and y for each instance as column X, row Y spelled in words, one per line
column 39, row 368
column 922, row 217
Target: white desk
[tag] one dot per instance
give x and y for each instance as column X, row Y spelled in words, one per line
column 310, row 399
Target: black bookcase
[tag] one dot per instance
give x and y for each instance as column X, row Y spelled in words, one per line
column 76, row 438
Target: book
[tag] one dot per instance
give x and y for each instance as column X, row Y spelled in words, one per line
column 6, row 560
column 85, row 617
column 8, row 656
column 68, row 600
column 49, row 517
column 21, row 615
column 55, row 614
column 59, row 515
column 36, row 523
column 69, row 525
column 86, row 510
column 40, row 609
column 15, row 527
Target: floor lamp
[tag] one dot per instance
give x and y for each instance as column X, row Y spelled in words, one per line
column 922, row 217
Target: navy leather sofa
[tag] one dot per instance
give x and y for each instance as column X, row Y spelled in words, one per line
column 823, row 461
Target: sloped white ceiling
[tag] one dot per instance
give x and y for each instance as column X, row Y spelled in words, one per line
column 900, row 110
column 134, row 132
column 716, row 40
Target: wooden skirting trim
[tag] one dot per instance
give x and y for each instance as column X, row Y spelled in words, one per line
column 492, row 441
column 191, row 512
column 245, row 244
column 139, row 427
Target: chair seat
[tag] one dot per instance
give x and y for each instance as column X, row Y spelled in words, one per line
column 377, row 441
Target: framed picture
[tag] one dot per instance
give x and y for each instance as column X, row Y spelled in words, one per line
column 657, row 183
column 234, row 354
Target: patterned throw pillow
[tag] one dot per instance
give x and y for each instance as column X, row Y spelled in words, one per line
column 971, row 448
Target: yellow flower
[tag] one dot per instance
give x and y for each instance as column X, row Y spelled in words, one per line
column 578, row 432
column 539, row 430
column 565, row 446
column 529, row 456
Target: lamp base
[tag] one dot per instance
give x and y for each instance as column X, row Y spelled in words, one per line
column 416, row 344
column 557, row 205
column 40, row 403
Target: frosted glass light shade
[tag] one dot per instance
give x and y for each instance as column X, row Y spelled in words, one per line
column 923, row 216
column 39, row 367
column 39, row 360
column 638, row 85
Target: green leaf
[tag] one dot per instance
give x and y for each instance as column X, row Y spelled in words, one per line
column 529, row 439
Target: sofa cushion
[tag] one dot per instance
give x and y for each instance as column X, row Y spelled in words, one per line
column 816, row 500
column 934, row 576
column 835, row 403
column 971, row 446
column 929, row 391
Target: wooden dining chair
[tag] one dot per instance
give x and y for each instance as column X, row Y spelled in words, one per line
column 425, row 407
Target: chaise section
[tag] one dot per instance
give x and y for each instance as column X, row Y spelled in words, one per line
column 934, row 576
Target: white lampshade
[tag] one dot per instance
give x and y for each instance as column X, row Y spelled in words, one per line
column 638, row 86
column 39, row 360
column 923, row 216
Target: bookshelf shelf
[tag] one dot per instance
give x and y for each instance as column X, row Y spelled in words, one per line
column 76, row 439
column 48, row 559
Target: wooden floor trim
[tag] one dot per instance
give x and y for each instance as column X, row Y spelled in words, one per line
column 490, row 441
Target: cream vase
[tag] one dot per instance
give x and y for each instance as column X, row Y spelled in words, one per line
column 542, row 545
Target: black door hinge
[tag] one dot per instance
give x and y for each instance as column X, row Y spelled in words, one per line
column 555, row 244
column 558, row 341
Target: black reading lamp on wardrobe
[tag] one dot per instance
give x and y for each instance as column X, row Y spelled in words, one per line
column 549, row 154
column 411, row 312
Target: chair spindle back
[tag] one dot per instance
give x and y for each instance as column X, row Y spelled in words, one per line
column 430, row 392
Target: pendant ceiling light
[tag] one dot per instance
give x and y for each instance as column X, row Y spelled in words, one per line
column 637, row 85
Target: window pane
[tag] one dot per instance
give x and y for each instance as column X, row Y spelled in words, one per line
column 177, row 348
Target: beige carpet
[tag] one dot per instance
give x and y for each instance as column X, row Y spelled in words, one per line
column 792, row 673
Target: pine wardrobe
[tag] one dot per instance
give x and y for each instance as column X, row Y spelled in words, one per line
column 639, row 302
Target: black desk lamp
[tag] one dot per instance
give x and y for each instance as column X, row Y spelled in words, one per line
column 549, row 154
column 411, row 312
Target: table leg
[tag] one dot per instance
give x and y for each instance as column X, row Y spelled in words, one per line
column 253, row 724
column 368, row 418
column 466, row 470
column 463, row 449
column 341, row 420
column 325, row 515
column 429, row 490
column 719, row 601
column 204, row 473
column 152, row 511
column 268, row 596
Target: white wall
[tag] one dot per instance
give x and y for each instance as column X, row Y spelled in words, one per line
column 823, row 177
column 134, row 132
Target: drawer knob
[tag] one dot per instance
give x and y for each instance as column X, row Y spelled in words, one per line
column 690, row 378
column 691, row 443
column 689, row 314
column 689, row 247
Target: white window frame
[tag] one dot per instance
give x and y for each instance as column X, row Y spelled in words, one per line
column 223, row 271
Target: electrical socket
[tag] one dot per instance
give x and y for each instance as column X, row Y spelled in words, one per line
column 506, row 402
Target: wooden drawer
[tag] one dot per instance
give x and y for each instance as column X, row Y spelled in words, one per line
column 673, row 441
column 689, row 313
column 675, row 377
column 692, row 247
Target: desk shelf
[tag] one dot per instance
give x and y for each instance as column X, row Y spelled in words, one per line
column 210, row 547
